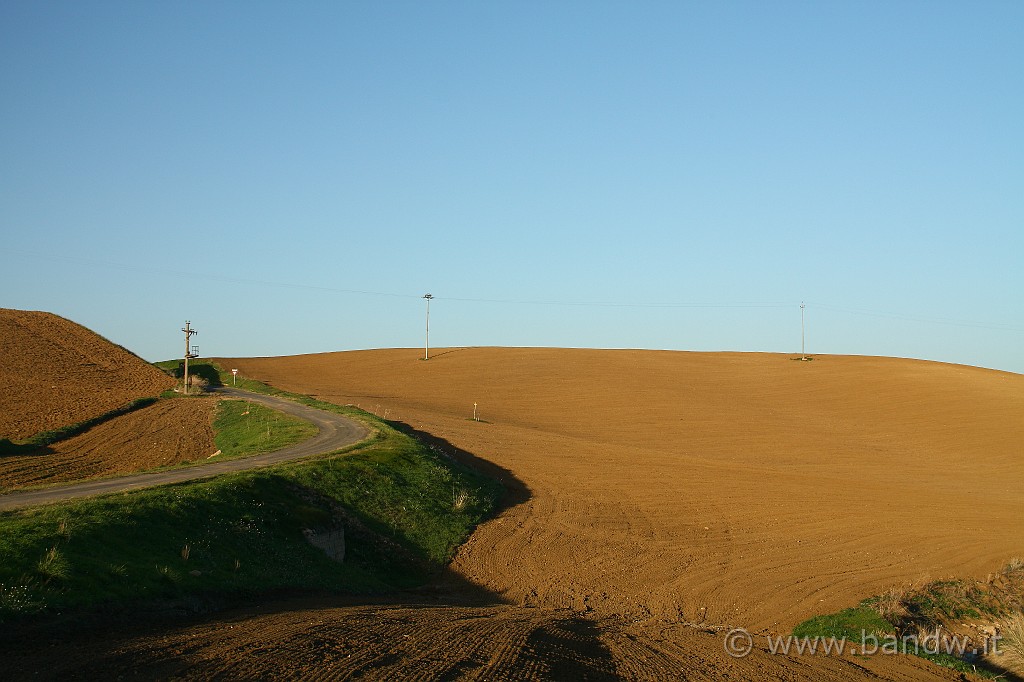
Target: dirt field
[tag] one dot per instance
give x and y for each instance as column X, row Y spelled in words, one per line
column 56, row 373
column 671, row 493
column 165, row 433
column 658, row 500
column 332, row 638
column 745, row 489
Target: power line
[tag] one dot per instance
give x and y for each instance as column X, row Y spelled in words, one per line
column 312, row 287
column 525, row 302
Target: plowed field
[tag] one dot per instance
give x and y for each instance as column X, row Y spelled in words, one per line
column 56, row 373
column 728, row 488
column 165, row 433
column 658, row 499
column 670, row 496
column 328, row 640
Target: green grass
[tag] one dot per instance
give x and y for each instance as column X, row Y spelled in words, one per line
column 849, row 624
column 204, row 369
column 244, row 428
column 241, row 429
column 404, row 509
column 926, row 607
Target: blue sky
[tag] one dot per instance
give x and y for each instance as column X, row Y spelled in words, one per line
column 293, row 177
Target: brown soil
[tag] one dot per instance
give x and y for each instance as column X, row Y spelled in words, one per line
column 56, row 373
column 166, row 433
column 331, row 638
column 745, row 489
column 718, row 489
column 666, row 497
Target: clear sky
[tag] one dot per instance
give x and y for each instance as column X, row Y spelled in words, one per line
column 293, row 177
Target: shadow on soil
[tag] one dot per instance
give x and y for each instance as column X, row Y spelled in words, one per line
column 449, row 587
column 37, row 444
column 571, row 649
column 437, row 354
column 9, row 449
column 99, row 639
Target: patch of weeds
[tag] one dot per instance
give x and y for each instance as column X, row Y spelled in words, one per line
column 18, row 599
column 850, row 624
column 1012, row 644
column 53, row 566
column 168, row 575
column 916, row 611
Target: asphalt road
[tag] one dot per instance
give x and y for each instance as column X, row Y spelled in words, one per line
column 336, row 432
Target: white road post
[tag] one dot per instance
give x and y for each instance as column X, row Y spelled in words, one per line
column 803, row 355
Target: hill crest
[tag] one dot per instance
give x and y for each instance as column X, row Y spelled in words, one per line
column 56, row 372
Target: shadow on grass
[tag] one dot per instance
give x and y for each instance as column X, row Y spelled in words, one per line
column 516, row 492
column 99, row 638
column 204, row 369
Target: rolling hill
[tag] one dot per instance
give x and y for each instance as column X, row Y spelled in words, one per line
column 722, row 488
column 56, row 373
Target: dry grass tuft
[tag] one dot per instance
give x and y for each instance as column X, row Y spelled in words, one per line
column 460, row 499
column 1011, row 647
column 892, row 604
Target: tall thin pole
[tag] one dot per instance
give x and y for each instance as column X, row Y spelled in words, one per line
column 188, row 333
column 426, row 345
column 803, row 355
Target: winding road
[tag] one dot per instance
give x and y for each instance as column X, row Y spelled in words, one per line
column 336, row 432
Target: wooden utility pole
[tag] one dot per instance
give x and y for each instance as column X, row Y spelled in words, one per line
column 188, row 334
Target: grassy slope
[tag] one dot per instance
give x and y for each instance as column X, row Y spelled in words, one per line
column 243, row 428
column 932, row 607
column 404, row 509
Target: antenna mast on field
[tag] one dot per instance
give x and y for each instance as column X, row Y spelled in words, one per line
column 426, row 345
column 188, row 334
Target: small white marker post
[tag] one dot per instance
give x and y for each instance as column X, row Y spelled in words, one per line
column 474, row 413
column 803, row 354
column 234, row 373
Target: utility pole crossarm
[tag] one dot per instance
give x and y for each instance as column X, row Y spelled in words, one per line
column 426, row 346
column 188, row 334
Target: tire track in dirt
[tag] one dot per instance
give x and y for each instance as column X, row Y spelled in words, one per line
column 167, row 433
column 320, row 639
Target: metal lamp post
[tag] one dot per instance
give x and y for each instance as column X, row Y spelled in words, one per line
column 426, row 345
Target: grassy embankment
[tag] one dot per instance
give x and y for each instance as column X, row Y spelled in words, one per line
column 902, row 620
column 241, row 428
column 403, row 508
